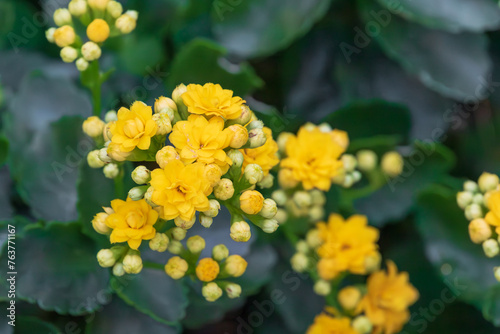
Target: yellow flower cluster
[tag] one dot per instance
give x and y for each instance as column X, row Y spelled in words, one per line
column 266, row 156
column 327, row 324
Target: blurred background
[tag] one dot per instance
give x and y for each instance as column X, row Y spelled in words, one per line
column 419, row 76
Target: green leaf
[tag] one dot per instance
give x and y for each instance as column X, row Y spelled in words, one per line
column 119, row 318
column 63, row 274
column 491, row 306
column 202, row 61
column 4, row 149
column 30, row 325
column 154, row 293
column 371, row 119
column 451, row 15
column 139, row 54
column 260, row 28
column 455, row 65
column 428, row 162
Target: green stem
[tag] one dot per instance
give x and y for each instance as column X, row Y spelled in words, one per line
column 119, row 186
column 153, row 265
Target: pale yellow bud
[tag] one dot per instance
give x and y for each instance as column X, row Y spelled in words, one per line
column 103, row 155
column 114, row 8
column 141, row 175
column 178, row 233
column 281, row 216
column 367, row 160
column 137, row 193
column 256, row 138
column 111, row 170
column 282, row 140
column 392, row 163
column 147, row 196
column 99, row 223
column 211, row 291
column 91, row 51
column 184, row 224
column 165, row 104
column 478, row 199
column 286, row 179
column 235, row 265
column 349, row 161
column 214, row 208
column 251, row 202
column 233, row 290
column 132, row 264
column 349, row 297
column 464, row 198
column 269, row 209
column 240, row 231
column 220, row 252
column 490, row 248
column 163, row 123
column 372, row 262
column 302, row 247
column 165, row 155
column 253, row 173
column 81, row 64
column 270, row 225
column 322, row 288
column 98, row 4
column 473, row 211
column 316, row 213
column 195, row 244
column 106, row 258
column 77, row 7
column 62, row 16
column 299, row 262
column 236, row 157
column 49, row 34
column 313, row 239
column 239, row 135
column 93, row 159
column 175, row 247
column 110, row 116
column 205, row 221
column 279, row 197
column 302, row 199
column 125, row 23
column 118, row 269
column 488, row 181
column 471, row 186
column 159, row 242
column 176, row 267
column 362, row 324
column 212, row 174
column 93, row 126
column 64, row 36
column 266, row 182
column 479, row 230
column 224, row 189
column 255, row 124
column 177, row 94
column 496, row 271
column 317, row 197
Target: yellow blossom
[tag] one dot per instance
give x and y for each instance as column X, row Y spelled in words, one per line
column 266, row 156
column 251, row 202
column 345, row 245
column 132, row 221
column 212, row 100
column 180, row 190
column 207, row 270
column 98, row 31
column 202, row 140
column 326, row 324
column 134, row 128
column 64, row 36
column 493, row 217
column 388, row 297
column 313, row 157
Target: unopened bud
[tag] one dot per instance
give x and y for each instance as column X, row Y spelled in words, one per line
column 251, row 202
column 81, row 64
column 212, row 174
column 349, row 161
column 362, row 324
column 114, row 8
column 220, row 252
column 176, row 267
column 256, row 138
column 266, row 182
column 317, row 197
column 313, row 239
column 279, row 197
column 177, row 94
column 372, row 262
column 224, row 189
column 68, row 54
column 322, row 288
column 349, row 297
column 240, row 231
column 236, row 157
column 137, row 193
column 118, row 270
column 132, row 264
column 64, row 36
column 464, row 198
column 49, row 34
column 91, row 51
column 392, row 163
column 110, row 116
column 233, row 290
column 269, row 209
column 299, row 262
column 165, row 155
column 479, row 230
column 214, row 208
column 281, row 216
column 367, row 160
column 235, row 265
column 62, row 16
column 253, row 173
column 488, row 181
column 473, row 211
column 175, row 247
column 99, row 223
column 164, row 126
column 106, row 258
column 205, row 221
column 184, row 224
column 98, row 31
column 270, row 225
column 167, row 105
column 103, row 155
column 211, row 292
column 471, row 186
column 178, row 233
column 195, row 244
column 282, row 140
column 490, row 248
column 316, row 213
column 244, row 118
column 496, row 271
column 111, row 170
column 302, row 247
column 93, row 159
column 159, row 242
column 141, row 175
column 478, row 199
column 302, row 199
column 98, row 4
column 93, row 126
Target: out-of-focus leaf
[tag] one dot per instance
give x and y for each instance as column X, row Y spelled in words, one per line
column 62, row 275
column 491, row 306
column 30, row 325
column 260, row 28
column 140, row 54
column 4, row 149
column 452, row 15
column 6, row 209
column 201, row 61
column 455, row 65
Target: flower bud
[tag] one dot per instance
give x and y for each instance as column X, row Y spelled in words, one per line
column 251, row 201
column 496, row 271
column 103, row 155
column 239, row 135
column 286, row 179
column 317, row 197
column 132, row 264
column 177, row 94
column 349, row 161
column 125, row 23
column 240, row 231
column 316, row 213
column 93, row 159
column 356, row 175
column 220, row 252
column 98, row 31
column 111, row 170
column 205, row 221
column 349, row 297
column 464, row 198
column 322, row 288
column 64, row 36
column 266, row 182
column 281, row 216
column 279, row 197
column 269, row 209
column 479, row 230
column 165, row 104
column 372, row 262
column 81, row 64
column 211, row 292
column 164, row 126
column 348, row 181
column 224, row 189
column 478, row 199
column 93, row 126
column 207, row 269
column 159, row 242
column 114, row 8
column 253, row 173
column 256, row 138
column 473, row 211
column 99, row 223
column 313, row 239
column 212, row 174
column 488, row 181
column 235, row 265
column 367, row 160
column 49, row 34
column 184, row 224
column 137, row 193
column 214, row 208
column 236, row 157
column 302, row 199
column 77, row 7
column 133, row 14
column 141, row 175
column 68, row 54
column 282, row 140
column 233, row 290
column 270, row 225
column 118, row 270
column 196, row 244
column 490, row 248
column 106, row 258
column 257, row 124
column 471, row 186
column 147, row 197
column 299, row 262
column 362, row 324
column 165, row 155
column 175, row 247
column 62, row 16
column 302, row 247
column 392, row 163
column 178, row 233
column 91, row 51
column 176, row 267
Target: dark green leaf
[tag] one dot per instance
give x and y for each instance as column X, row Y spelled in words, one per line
column 140, row 54
column 30, row 325
column 4, row 149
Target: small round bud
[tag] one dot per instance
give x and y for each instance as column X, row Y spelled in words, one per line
column 372, row 262
column 220, row 252
column 473, row 211
column 281, row 216
column 270, row 225
column 302, row 199
column 165, row 104
column 233, row 290
column 118, row 270
column 240, row 231
column 348, row 181
column 132, row 264
column 478, row 199
column 214, row 208
column 159, row 242
column 49, row 34
column 239, row 135
column 111, row 170
column 392, row 163
column 299, row 262
column 205, row 221
column 125, row 23
column 91, row 51
column 317, row 197
column 269, row 209
column 251, row 202
column 256, row 138
column 356, row 176
column 266, row 182
column 64, row 36
column 141, row 175
column 137, row 193
column 488, row 181
column 322, row 288
column 286, row 179
column 479, row 230
column 184, row 224
column 81, row 64
column 207, row 269
column 103, row 155
column 283, row 139
column 224, row 189
column 496, row 271
column 211, row 292
column 236, row 157
column 325, row 127
column 253, row 173
column 313, row 239
column 302, row 247
column 212, row 174
column 165, row 155
column 93, row 126
column 98, row 4
column 367, row 160
column 349, row 161
column 93, row 159
column 490, row 248
column 163, row 123
column 99, row 223
column 98, row 31
column 106, row 258
column 110, row 116
column 471, row 186
column 77, row 7
column 114, row 8
column 244, row 118
column 279, row 197
column 62, row 16
column 362, row 324
column 133, row 14
column 316, row 213
column 235, row 265
column 175, row 247
column 177, row 94
column 176, row 267
column 349, row 297
column 195, row 244
column 147, row 197
column 256, row 124
column 178, row 233
column 464, row 198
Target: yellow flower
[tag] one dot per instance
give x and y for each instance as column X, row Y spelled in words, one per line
column 199, row 139
column 132, row 221
column 251, row 202
column 64, row 36
column 180, row 190
column 134, row 127
column 387, row 300
column 212, row 100
column 266, row 156
column 313, row 157
column 345, row 245
column 207, row 270
column 326, row 324
column 98, row 31
column 493, row 217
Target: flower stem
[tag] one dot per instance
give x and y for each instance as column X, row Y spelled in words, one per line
column 119, row 186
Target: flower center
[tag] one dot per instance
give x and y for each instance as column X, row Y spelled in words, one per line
column 135, row 219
